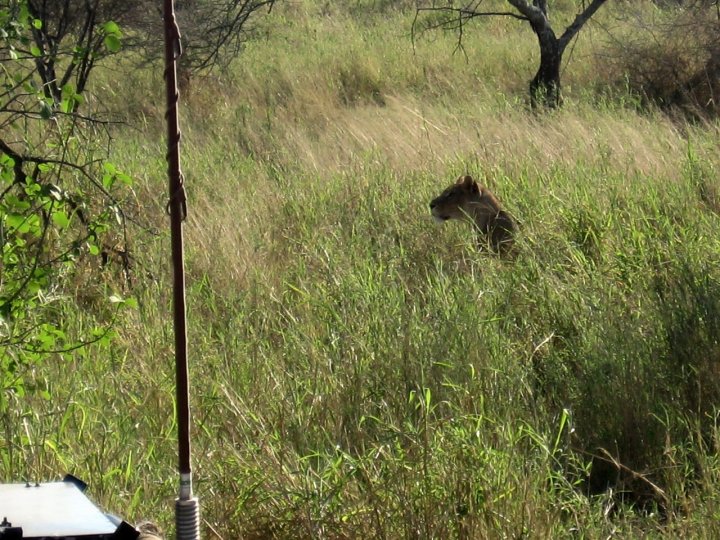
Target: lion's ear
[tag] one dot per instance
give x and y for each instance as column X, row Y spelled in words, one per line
column 466, row 180
column 471, row 184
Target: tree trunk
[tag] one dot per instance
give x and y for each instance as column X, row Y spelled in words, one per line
column 545, row 87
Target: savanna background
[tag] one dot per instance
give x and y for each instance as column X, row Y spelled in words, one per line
column 358, row 370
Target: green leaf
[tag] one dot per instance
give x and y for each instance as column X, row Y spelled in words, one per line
column 60, row 219
column 35, row 51
column 70, row 98
column 111, row 27
column 112, row 43
column 32, row 189
column 427, row 397
column 29, row 86
column 37, row 24
column 6, row 161
column 108, row 180
column 15, row 203
column 125, row 179
column 17, row 222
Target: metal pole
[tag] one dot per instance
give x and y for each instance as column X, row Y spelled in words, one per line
column 187, row 510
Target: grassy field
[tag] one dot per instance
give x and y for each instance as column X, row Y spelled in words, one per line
column 359, row 371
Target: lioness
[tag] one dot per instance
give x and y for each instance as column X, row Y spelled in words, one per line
column 467, row 200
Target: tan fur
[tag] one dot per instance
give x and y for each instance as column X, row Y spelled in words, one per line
column 467, row 200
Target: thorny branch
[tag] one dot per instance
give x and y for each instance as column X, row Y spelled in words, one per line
column 218, row 30
column 454, row 20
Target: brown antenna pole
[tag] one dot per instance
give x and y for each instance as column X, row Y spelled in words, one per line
column 187, row 511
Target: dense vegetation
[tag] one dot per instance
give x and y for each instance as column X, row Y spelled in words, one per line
column 358, row 370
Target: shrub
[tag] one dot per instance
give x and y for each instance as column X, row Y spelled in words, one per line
column 669, row 57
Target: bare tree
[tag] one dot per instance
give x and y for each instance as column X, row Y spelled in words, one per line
column 213, row 33
column 545, row 86
column 215, row 30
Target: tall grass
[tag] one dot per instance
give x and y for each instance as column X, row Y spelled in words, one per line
column 358, row 370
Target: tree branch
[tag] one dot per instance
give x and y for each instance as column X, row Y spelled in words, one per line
column 456, row 18
column 579, row 22
column 536, row 15
column 18, row 161
column 467, row 14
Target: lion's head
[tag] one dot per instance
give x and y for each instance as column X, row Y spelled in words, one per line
column 467, row 200
column 455, row 201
